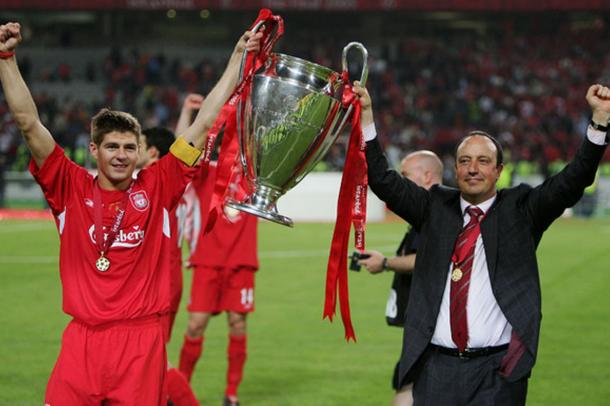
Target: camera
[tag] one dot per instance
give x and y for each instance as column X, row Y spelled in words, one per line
column 354, row 258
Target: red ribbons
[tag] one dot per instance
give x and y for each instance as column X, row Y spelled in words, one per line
column 103, row 245
column 228, row 115
column 351, row 209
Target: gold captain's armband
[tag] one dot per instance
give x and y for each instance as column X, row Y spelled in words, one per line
column 185, row 151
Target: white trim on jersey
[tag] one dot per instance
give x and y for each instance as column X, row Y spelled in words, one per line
column 166, row 228
column 193, row 220
column 62, row 220
column 180, row 220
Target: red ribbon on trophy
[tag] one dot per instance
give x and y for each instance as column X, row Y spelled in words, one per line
column 351, row 209
column 228, row 115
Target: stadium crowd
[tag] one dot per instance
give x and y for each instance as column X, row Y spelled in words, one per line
column 526, row 89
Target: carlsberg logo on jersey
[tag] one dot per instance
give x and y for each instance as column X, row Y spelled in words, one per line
column 129, row 239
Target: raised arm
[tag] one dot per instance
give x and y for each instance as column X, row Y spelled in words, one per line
column 19, row 99
column 401, row 195
column 547, row 201
column 191, row 103
column 196, row 134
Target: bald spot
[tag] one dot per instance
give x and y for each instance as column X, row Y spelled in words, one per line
column 428, row 161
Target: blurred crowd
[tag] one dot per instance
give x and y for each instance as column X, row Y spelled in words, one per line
column 528, row 90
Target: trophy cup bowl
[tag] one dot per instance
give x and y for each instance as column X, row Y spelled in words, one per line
column 289, row 121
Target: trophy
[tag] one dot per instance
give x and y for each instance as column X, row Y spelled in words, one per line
column 290, row 119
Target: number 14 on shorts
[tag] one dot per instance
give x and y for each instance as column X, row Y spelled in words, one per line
column 247, row 297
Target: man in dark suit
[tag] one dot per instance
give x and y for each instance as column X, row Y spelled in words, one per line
column 425, row 169
column 472, row 329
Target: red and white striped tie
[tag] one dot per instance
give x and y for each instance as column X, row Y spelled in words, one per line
column 463, row 259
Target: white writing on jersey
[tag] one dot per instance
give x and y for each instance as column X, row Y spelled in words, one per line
column 128, row 239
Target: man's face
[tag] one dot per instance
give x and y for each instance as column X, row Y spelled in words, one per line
column 411, row 169
column 116, row 156
column 476, row 170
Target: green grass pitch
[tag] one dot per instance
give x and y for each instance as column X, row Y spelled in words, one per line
column 296, row 358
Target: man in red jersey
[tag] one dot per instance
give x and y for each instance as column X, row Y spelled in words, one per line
column 224, row 263
column 113, row 230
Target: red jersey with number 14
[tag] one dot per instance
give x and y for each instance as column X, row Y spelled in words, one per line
column 137, row 282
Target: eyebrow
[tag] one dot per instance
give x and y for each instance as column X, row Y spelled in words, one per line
column 478, row 157
column 116, row 144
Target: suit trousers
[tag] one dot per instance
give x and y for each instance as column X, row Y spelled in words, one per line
column 452, row 381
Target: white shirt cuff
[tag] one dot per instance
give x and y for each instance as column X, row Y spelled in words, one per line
column 596, row 136
column 369, row 132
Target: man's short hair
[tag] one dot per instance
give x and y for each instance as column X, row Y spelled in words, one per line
column 107, row 121
column 499, row 152
column 160, row 138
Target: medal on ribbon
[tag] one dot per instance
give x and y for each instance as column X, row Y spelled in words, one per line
column 103, row 244
column 102, row 264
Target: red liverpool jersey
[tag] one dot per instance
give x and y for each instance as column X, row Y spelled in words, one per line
column 233, row 240
column 137, row 282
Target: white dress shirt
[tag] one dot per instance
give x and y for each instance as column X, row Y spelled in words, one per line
column 487, row 325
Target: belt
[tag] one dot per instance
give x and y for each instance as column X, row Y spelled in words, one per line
column 468, row 352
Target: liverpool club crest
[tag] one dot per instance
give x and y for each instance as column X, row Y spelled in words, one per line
column 139, row 200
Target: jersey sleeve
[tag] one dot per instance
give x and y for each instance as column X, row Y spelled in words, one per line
column 58, row 177
column 169, row 176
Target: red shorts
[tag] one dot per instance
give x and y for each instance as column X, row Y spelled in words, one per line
column 216, row 290
column 119, row 363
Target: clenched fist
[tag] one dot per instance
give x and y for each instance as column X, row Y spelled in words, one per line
column 10, row 36
column 598, row 97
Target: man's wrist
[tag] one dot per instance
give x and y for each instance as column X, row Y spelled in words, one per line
column 369, row 132
column 599, row 126
column 7, row 54
column 600, row 119
column 384, row 264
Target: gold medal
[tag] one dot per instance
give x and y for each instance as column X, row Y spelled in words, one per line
column 102, row 264
column 456, row 275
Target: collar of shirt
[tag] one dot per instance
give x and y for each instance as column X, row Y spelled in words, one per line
column 483, row 206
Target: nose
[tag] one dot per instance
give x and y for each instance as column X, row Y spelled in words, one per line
column 473, row 167
column 122, row 153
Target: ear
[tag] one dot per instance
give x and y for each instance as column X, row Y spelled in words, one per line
column 499, row 169
column 153, row 153
column 93, row 149
column 428, row 179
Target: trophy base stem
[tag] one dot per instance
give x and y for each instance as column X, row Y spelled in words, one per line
column 257, row 211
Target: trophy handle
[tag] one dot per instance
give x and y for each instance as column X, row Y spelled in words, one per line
column 365, row 57
column 363, row 77
column 269, row 41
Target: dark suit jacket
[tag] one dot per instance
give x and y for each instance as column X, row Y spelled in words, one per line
column 511, row 232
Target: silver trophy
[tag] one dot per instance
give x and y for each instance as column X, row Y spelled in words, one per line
column 291, row 118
